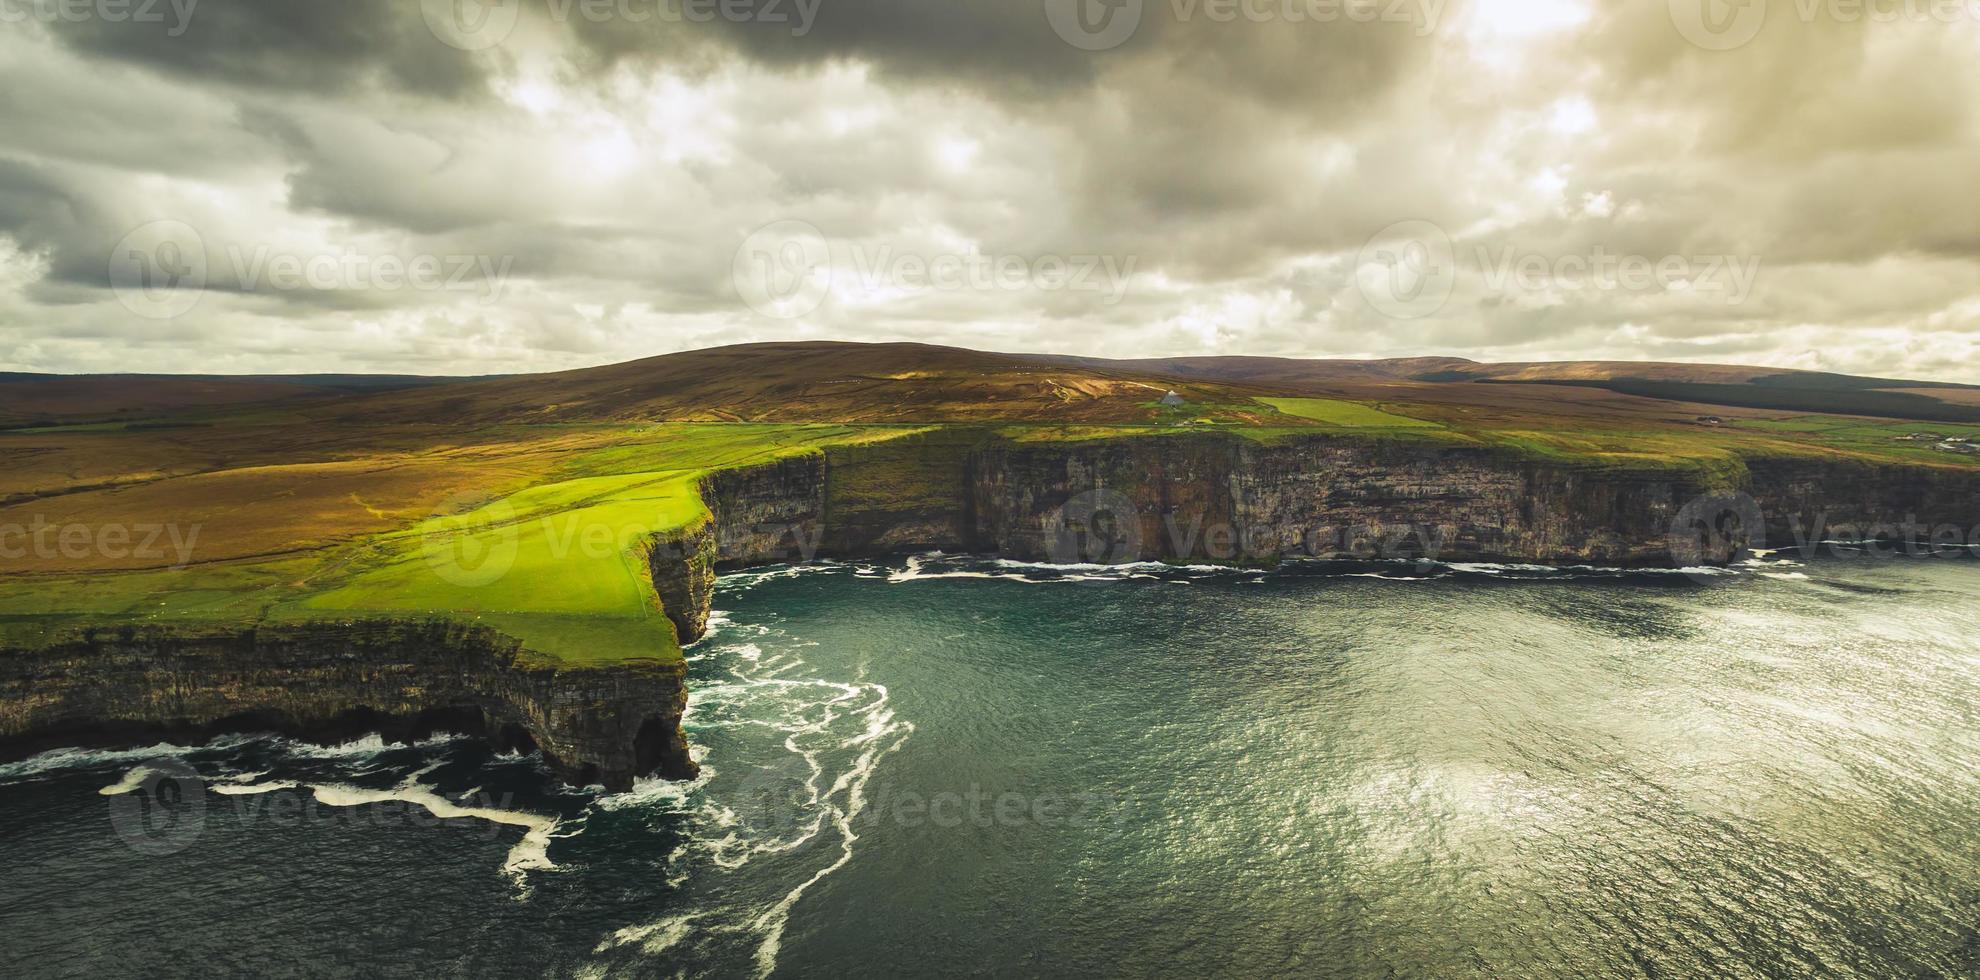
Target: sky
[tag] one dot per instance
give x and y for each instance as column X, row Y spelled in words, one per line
column 499, row 186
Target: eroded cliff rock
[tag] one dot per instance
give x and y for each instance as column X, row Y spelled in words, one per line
column 334, row 681
column 1221, row 497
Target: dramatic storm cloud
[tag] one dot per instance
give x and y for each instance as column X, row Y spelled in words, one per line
column 457, row 186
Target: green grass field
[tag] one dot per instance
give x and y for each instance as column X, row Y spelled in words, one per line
column 552, row 557
column 1347, row 415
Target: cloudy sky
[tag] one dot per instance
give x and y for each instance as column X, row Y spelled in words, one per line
column 450, row 186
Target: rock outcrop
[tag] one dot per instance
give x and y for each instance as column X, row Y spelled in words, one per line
column 336, row 681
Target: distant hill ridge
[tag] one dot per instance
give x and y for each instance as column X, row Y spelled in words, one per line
column 905, row 382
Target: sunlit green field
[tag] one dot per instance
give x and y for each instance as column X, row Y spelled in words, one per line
column 555, row 561
column 1354, row 415
column 1875, row 437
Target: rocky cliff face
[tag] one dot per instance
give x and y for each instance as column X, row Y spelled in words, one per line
column 1810, row 500
column 1217, row 497
column 328, row 681
column 1197, row 497
column 1225, row 499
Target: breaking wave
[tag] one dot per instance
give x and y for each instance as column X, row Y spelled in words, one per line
column 789, row 747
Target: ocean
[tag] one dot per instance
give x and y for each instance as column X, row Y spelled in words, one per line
column 946, row 765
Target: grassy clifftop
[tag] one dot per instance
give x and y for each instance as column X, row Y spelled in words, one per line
column 537, row 535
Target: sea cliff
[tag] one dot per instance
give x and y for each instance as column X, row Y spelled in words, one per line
column 1181, row 496
column 335, row 681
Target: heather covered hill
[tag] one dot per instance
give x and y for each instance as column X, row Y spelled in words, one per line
column 917, row 383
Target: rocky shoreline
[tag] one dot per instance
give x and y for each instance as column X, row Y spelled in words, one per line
column 330, row 682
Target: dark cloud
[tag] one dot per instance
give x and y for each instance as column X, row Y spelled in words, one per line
column 314, row 46
column 998, row 45
column 57, row 218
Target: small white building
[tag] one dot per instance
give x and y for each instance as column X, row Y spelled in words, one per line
column 1173, row 400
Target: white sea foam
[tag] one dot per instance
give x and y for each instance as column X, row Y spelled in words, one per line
column 816, row 723
column 655, row 791
column 744, row 581
column 252, row 789
column 368, row 745
column 654, row 937
column 69, row 759
column 60, row 760
column 532, row 853
column 853, row 782
column 1758, row 561
column 129, row 784
column 1571, row 571
column 1497, row 568
column 916, row 568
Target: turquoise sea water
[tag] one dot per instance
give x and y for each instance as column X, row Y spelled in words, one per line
column 938, row 765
